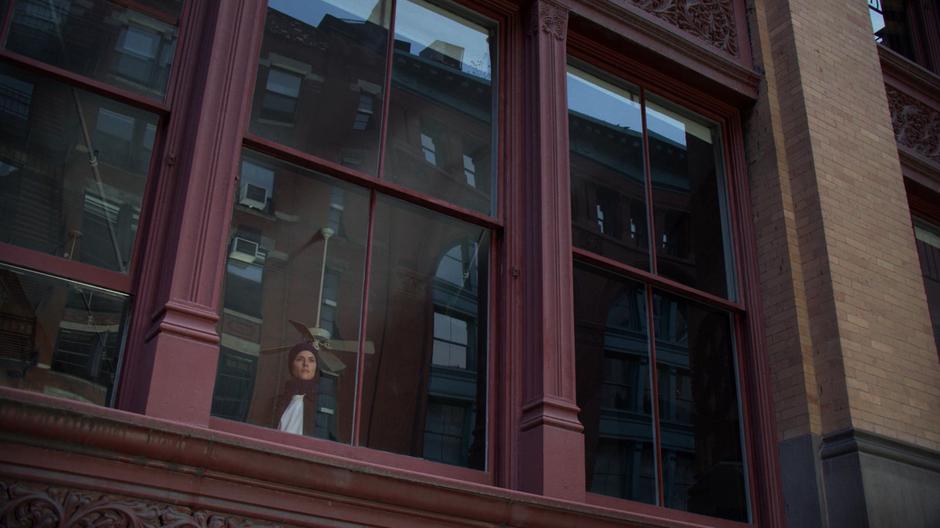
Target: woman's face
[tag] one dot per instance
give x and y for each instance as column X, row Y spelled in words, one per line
column 304, row 366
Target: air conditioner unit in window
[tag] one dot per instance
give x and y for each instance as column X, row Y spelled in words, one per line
column 247, row 251
column 254, row 196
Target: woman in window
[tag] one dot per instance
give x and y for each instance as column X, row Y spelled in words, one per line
column 296, row 409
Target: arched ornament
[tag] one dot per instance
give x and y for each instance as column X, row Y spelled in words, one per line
column 916, row 125
column 25, row 506
column 710, row 20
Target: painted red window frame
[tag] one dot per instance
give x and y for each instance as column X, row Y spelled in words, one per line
column 756, row 420
column 503, row 14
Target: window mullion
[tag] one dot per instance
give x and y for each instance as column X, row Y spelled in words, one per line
column 648, row 178
column 654, row 395
column 363, row 321
column 178, row 310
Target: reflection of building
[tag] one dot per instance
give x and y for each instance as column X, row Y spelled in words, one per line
column 569, row 330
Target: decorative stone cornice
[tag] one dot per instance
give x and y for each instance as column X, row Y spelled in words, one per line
column 710, row 20
column 148, row 472
column 916, row 124
column 37, row 505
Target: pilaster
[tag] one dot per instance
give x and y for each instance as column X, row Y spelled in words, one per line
column 172, row 351
column 551, row 440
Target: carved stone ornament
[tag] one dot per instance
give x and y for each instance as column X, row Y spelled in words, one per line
column 29, row 506
column 549, row 18
column 711, row 20
column 916, row 125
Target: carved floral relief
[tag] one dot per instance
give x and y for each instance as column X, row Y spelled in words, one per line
column 711, row 20
column 916, row 125
column 549, row 18
column 29, row 506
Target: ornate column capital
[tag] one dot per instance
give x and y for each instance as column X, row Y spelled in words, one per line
column 549, row 18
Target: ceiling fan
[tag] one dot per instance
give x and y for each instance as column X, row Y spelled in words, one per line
column 320, row 337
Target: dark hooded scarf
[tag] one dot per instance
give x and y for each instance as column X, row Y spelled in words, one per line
column 293, row 386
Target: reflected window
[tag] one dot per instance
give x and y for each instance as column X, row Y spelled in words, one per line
column 429, row 149
column 364, row 112
column 927, row 235
column 321, row 78
column 128, row 48
column 280, row 99
column 442, row 77
column 75, row 170
column 470, row 170
column 60, row 337
column 450, row 341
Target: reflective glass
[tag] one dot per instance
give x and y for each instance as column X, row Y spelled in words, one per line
column 321, row 78
column 59, row 337
column 74, row 167
column 689, row 202
column 702, row 457
column 294, row 274
column 128, row 48
column 928, row 247
column 424, row 385
column 440, row 123
column 608, row 182
column 613, row 380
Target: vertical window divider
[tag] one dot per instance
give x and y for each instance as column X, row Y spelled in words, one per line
column 386, row 101
column 7, row 23
column 654, row 387
column 363, row 322
column 648, row 175
column 744, row 427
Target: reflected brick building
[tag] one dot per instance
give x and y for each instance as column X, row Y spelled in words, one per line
column 562, row 263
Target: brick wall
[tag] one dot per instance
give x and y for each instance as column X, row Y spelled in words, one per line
column 847, row 324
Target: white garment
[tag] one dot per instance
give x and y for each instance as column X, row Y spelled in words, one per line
column 292, row 420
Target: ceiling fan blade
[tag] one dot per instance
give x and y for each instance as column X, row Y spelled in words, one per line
column 350, row 346
column 330, row 361
column 302, row 329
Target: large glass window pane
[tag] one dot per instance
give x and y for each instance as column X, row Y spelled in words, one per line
column 99, row 39
column 296, row 262
column 59, row 337
column 928, row 247
column 613, row 377
column 441, row 126
column 689, row 203
column 702, row 457
column 424, row 387
column 74, row 168
column 608, row 182
column 321, row 78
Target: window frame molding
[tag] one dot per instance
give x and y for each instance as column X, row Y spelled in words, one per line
column 758, row 423
column 505, row 15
